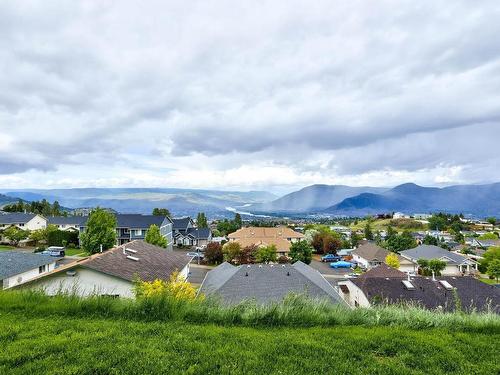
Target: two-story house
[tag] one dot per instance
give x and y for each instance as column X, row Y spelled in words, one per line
column 22, row 221
column 130, row 227
column 187, row 234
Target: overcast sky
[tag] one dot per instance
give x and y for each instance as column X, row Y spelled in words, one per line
column 268, row 95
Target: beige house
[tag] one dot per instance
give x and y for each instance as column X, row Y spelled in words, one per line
column 281, row 237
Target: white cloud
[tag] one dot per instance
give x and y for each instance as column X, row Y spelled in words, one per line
column 248, row 95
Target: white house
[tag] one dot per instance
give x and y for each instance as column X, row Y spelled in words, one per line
column 113, row 272
column 456, row 264
column 22, row 221
column 17, row 268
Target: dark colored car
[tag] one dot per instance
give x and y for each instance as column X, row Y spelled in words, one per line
column 330, row 258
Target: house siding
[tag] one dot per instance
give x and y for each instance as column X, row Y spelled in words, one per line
column 24, row 277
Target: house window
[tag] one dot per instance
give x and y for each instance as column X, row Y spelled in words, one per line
column 42, row 269
column 138, row 232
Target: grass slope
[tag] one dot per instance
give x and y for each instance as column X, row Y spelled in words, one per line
column 63, row 345
column 66, row 334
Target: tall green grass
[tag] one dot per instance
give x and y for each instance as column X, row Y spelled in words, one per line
column 294, row 311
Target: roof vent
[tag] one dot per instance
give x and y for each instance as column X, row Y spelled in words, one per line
column 246, row 273
column 283, row 266
column 131, row 251
column 248, row 266
column 408, row 285
column 288, row 273
column 272, row 265
column 135, row 259
column 446, row 284
column 71, row 273
column 260, row 265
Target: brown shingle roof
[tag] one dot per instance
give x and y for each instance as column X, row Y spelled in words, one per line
column 154, row 262
column 266, row 236
column 384, row 271
column 371, row 252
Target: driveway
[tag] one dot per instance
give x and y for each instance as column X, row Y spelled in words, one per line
column 332, row 275
column 197, row 273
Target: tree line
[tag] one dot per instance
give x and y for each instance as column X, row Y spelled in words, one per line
column 42, row 207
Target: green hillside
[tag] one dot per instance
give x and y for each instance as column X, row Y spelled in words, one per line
column 68, row 335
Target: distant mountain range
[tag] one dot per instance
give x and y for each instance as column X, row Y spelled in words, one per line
column 477, row 200
column 5, row 200
column 142, row 200
column 314, row 198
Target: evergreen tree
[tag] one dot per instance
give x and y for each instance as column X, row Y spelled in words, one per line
column 201, row 220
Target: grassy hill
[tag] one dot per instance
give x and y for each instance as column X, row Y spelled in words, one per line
column 397, row 224
column 68, row 335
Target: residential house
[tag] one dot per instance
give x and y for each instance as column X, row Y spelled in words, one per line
column 385, row 285
column 130, row 227
column 400, row 215
column 266, row 283
column 422, row 216
column 369, row 255
column 456, row 264
column 22, row 221
column 17, row 268
column 113, row 272
column 485, row 244
column 66, row 223
column 185, row 233
column 281, row 237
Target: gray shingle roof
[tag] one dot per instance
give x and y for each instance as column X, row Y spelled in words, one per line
column 181, row 223
column 13, row 262
column 433, row 252
column 200, row 233
column 69, row 220
column 266, row 283
column 154, row 262
column 430, row 294
column 15, row 218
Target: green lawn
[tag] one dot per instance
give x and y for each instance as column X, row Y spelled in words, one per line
column 74, row 252
column 489, row 281
column 59, row 345
column 6, row 248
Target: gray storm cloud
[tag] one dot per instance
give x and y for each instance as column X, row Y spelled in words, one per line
column 309, row 88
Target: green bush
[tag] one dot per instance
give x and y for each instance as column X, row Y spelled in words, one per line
column 61, row 237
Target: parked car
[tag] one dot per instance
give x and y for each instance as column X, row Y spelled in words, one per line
column 55, row 251
column 195, row 255
column 330, row 258
column 341, row 264
column 351, row 276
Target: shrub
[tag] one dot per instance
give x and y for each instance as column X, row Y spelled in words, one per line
column 213, row 253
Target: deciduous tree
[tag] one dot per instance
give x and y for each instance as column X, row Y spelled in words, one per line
column 266, row 254
column 100, row 231
column 301, row 251
column 392, row 260
column 154, row 237
column 213, row 253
